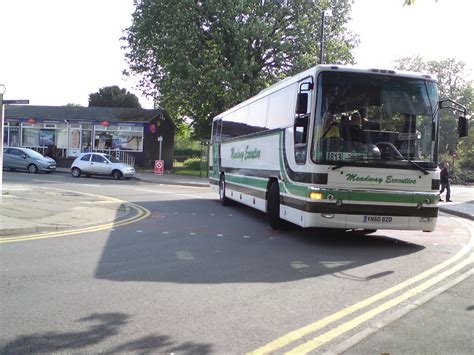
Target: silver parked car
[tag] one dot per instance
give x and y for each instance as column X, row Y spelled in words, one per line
column 27, row 159
column 101, row 164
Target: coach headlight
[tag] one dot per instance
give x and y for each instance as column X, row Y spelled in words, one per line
column 316, row 195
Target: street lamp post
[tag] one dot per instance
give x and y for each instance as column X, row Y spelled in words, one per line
column 2, row 91
column 321, row 46
column 321, row 43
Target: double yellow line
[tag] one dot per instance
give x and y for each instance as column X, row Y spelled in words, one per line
column 141, row 213
column 351, row 324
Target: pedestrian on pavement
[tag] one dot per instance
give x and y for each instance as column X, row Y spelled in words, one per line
column 445, row 183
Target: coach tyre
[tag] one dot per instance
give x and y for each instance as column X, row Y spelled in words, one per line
column 273, row 206
column 222, row 198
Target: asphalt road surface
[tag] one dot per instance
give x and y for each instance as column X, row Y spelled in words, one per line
column 196, row 277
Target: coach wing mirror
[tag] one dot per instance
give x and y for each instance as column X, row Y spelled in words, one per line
column 463, row 122
column 301, row 121
column 463, row 126
column 302, row 103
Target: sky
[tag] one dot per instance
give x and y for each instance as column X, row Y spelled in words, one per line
column 55, row 52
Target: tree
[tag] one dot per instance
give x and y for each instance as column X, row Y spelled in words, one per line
column 199, row 58
column 113, row 96
column 453, row 83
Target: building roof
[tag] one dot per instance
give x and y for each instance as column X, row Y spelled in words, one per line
column 112, row 114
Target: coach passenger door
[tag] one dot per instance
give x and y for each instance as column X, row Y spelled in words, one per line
column 302, row 115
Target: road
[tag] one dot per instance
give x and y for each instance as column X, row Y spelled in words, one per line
column 196, row 277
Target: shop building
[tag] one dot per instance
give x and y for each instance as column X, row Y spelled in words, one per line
column 133, row 135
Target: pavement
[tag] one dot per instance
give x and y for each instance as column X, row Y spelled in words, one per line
column 27, row 210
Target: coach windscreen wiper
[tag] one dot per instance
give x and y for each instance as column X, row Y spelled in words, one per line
column 340, row 164
column 417, row 166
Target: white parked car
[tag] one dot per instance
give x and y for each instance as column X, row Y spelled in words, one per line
column 101, row 164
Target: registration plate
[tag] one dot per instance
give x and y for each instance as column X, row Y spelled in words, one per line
column 377, row 219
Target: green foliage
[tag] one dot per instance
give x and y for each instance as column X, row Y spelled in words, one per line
column 183, row 139
column 186, row 152
column 193, row 163
column 184, row 145
column 113, row 96
column 199, row 58
column 465, row 151
column 454, row 84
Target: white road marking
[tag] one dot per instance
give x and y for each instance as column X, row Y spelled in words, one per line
column 169, row 193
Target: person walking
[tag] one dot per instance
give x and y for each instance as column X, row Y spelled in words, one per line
column 445, row 183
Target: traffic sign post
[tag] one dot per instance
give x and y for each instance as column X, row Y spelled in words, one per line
column 160, row 141
column 16, row 102
column 159, row 167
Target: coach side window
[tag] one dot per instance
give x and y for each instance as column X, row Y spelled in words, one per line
column 216, row 130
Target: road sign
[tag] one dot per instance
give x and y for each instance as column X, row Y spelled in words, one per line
column 16, row 102
column 159, row 167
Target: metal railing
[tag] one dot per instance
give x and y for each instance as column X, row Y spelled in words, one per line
column 62, row 153
column 121, row 155
column 59, row 152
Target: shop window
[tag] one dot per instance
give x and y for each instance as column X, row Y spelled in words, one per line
column 30, row 136
column 86, row 140
column 14, row 135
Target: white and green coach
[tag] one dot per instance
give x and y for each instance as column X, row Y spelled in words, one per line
column 335, row 147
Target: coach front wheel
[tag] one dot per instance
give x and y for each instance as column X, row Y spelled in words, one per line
column 222, row 198
column 273, row 206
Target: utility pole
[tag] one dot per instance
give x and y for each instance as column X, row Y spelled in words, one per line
column 2, row 119
column 321, row 45
column 2, row 91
